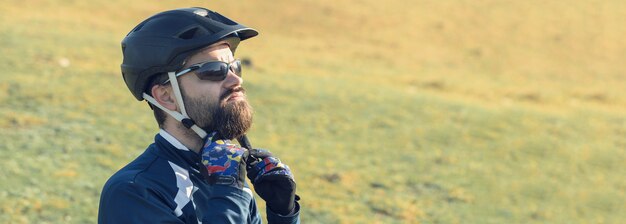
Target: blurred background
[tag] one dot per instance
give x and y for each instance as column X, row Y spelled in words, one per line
column 459, row 111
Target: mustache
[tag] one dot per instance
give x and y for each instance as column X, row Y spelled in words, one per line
column 231, row 91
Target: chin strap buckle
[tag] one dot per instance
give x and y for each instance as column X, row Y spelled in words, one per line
column 188, row 123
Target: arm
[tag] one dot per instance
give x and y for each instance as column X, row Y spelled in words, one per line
column 231, row 199
column 227, row 164
column 252, row 161
column 275, row 183
column 294, row 218
column 127, row 201
column 230, row 205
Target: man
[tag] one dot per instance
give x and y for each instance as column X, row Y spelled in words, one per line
column 181, row 61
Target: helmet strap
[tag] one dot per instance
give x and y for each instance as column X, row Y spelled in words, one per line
column 181, row 117
column 177, row 93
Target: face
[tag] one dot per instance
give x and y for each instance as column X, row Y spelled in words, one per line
column 216, row 105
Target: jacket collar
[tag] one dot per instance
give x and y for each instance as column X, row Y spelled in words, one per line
column 173, row 140
column 176, row 152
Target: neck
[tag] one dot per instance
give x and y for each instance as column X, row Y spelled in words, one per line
column 186, row 136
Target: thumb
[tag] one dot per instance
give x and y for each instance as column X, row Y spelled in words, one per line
column 260, row 153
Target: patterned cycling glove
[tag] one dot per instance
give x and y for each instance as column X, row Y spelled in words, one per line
column 224, row 162
column 272, row 180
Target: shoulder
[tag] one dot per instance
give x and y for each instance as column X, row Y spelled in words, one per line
column 145, row 185
column 122, row 197
column 146, row 172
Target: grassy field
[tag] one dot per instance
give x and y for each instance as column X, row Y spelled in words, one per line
column 388, row 112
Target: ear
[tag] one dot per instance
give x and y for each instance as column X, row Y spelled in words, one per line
column 164, row 95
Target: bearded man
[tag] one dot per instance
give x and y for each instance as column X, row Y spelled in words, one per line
column 182, row 62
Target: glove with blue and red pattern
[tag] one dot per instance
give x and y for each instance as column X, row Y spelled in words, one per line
column 272, row 180
column 224, row 163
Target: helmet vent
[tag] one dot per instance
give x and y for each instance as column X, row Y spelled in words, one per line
column 139, row 27
column 189, row 34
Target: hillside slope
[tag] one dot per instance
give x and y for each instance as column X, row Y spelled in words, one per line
column 403, row 112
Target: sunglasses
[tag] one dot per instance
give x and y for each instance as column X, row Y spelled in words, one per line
column 212, row 70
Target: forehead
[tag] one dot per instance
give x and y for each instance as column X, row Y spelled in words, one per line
column 218, row 51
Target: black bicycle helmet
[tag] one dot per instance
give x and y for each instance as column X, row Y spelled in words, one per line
column 161, row 43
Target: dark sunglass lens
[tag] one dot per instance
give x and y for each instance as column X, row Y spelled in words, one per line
column 236, row 67
column 213, row 71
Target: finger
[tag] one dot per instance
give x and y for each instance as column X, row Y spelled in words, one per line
column 260, row 153
column 243, row 141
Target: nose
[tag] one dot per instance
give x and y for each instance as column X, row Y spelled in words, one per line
column 232, row 80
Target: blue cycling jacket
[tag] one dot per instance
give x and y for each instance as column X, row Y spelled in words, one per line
column 164, row 185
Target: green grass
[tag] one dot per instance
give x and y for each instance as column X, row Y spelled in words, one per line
column 403, row 112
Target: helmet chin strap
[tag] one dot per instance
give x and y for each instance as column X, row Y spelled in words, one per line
column 181, row 117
